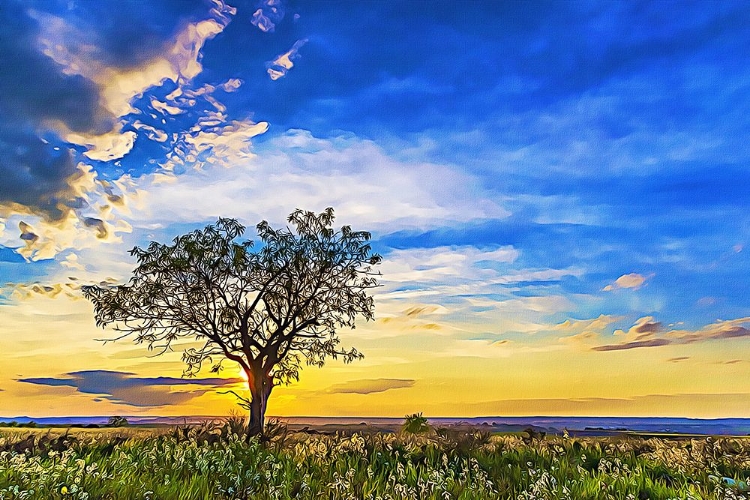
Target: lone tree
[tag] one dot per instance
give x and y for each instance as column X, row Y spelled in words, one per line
column 268, row 309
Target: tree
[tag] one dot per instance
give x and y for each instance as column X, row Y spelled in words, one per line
column 117, row 421
column 268, row 309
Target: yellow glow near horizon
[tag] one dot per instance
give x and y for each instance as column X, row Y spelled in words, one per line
column 437, row 374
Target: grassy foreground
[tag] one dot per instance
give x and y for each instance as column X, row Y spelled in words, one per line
column 209, row 463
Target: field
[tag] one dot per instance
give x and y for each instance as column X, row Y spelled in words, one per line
column 212, row 461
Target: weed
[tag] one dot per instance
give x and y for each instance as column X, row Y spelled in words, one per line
column 415, row 424
column 214, row 460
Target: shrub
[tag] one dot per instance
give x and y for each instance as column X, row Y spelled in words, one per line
column 117, row 422
column 416, row 424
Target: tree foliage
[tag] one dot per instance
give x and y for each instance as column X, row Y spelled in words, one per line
column 415, row 424
column 117, row 421
column 270, row 308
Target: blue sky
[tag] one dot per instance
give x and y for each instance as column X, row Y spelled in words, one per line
column 565, row 178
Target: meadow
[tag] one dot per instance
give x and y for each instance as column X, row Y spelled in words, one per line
column 213, row 461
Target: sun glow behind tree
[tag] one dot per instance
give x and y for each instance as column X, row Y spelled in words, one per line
column 269, row 309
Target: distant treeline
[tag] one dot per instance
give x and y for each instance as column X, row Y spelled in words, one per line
column 113, row 422
column 33, row 424
column 16, row 424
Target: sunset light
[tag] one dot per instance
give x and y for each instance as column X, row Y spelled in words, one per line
column 558, row 192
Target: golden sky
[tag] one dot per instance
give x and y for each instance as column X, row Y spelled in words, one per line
column 415, row 361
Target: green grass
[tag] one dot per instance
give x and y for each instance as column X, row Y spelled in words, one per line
column 436, row 465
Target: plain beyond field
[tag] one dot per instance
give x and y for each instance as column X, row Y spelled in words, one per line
column 580, row 426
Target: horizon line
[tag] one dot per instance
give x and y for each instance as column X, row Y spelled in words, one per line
column 269, row 417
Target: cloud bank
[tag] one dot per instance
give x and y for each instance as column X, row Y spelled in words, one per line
column 69, row 102
column 128, row 389
column 649, row 333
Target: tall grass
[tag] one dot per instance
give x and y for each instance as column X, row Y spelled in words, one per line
column 187, row 464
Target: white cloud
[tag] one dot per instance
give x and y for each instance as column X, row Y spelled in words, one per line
column 104, row 147
column 462, row 270
column 444, row 264
column 632, row 281
column 368, row 189
column 462, row 291
column 223, row 176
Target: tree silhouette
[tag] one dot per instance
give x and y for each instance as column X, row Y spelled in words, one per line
column 268, row 309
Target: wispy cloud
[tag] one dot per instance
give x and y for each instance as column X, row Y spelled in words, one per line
column 363, row 183
column 369, row 386
column 268, row 14
column 705, row 405
column 584, row 331
column 279, row 67
column 678, row 359
column 596, row 324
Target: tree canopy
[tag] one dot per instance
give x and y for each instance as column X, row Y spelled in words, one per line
column 269, row 308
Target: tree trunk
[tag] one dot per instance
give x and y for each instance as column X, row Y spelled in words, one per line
column 260, row 388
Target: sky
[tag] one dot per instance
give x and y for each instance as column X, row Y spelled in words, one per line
column 558, row 190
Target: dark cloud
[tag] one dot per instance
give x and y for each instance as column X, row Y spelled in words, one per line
column 369, row 386
column 34, row 168
column 33, row 87
column 729, row 332
column 732, row 333
column 721, row 330
column 415, row 311
column 36, row 164
column 98, row 224
column 633, row 345
column 130, row 33
column 648, row 327
column 125, row 388
column 33, row 173
column 27, row 234
column 678, row 359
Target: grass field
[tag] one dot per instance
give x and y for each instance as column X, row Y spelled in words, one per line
column 213, row 462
